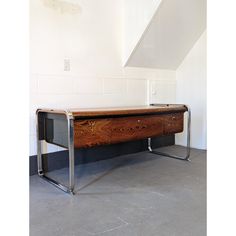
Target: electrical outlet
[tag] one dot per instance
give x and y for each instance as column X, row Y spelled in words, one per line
column 66, row 64
column 153, row 96
column 153, row 88
column 154, row 91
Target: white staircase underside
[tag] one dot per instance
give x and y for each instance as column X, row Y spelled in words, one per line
column 174, row 29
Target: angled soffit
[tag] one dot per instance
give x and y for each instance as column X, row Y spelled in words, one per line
column 174, row 29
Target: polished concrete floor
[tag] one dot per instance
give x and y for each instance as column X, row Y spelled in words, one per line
column 140, row 194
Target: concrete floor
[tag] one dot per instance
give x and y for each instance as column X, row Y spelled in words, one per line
column 140, row 194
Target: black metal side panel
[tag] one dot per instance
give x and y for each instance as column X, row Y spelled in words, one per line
column 55, row 129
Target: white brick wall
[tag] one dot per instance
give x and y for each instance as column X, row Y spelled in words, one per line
column 137, row 91
column 162, row 90
column 115, row 86
column 88, row 85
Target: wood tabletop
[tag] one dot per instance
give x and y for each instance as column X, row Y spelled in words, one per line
column 134, row 110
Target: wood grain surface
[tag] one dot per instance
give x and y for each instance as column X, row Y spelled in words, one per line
column 102, row 131
column 135, row 110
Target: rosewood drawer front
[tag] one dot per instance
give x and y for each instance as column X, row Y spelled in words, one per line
column 173, row 123
column 101, row 131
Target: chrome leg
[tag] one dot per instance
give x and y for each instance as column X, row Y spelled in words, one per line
column 41, row 173
column 185, row 157
column 39, row 152
column 150, row 144
column 71, row 155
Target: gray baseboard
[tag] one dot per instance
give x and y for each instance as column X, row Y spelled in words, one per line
column 58, row 160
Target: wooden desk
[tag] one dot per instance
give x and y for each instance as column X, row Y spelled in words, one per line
column 84, row 128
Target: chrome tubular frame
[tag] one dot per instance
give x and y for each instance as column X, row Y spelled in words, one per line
column 70, row 130
column 186, row 157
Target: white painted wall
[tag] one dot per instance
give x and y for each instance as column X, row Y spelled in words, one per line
column 163, row 89
column 137, row 17
column 191, row 90
column 90, row 35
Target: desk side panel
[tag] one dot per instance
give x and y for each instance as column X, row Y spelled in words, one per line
column 55, row 129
